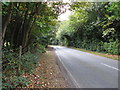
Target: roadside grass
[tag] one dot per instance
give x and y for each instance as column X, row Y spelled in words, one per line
column 115, row 57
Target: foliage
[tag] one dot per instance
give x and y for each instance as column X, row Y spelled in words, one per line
column 112, row 47
column 14, row 66
column 29, row 25
column 15, row 81
column 33, row 26
column 93, row 26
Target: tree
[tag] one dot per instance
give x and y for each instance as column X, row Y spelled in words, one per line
column 93, row 26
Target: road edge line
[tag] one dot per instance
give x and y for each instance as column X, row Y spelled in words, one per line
column 72, row 78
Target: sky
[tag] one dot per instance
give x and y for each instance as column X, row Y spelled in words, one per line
column 64, row 16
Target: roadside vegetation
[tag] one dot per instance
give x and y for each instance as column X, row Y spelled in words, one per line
column 92, row 26
column 115, row 57
column 28, row 28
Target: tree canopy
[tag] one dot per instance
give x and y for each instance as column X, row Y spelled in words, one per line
column 93, row 26
column 27, row 30
column 29, row 27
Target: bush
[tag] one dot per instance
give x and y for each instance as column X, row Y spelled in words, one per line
column 28, row 62
column 14, row 66
column 112, row 47
column 36, row 47
column 104, row 47
column 14, row 81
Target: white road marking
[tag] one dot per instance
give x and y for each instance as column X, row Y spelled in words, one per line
column 74, row 81
column 110, row 66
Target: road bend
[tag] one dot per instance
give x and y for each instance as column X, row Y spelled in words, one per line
column 88, row 70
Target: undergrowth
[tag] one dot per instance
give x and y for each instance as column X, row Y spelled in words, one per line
column 14, row 66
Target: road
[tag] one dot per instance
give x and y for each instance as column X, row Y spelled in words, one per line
column 88, row 70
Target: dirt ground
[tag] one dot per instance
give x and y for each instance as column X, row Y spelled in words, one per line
column 47, row 74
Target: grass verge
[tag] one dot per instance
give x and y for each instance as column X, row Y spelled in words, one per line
column 115, row 57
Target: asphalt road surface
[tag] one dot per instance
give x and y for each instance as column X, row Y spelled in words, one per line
column 88, row 70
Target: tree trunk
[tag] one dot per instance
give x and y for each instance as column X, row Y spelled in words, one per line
column 30, row 24
column 7, row 20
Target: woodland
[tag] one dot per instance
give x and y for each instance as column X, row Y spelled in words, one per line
column 29, row 27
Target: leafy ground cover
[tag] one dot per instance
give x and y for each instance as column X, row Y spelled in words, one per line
column 47, row 73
